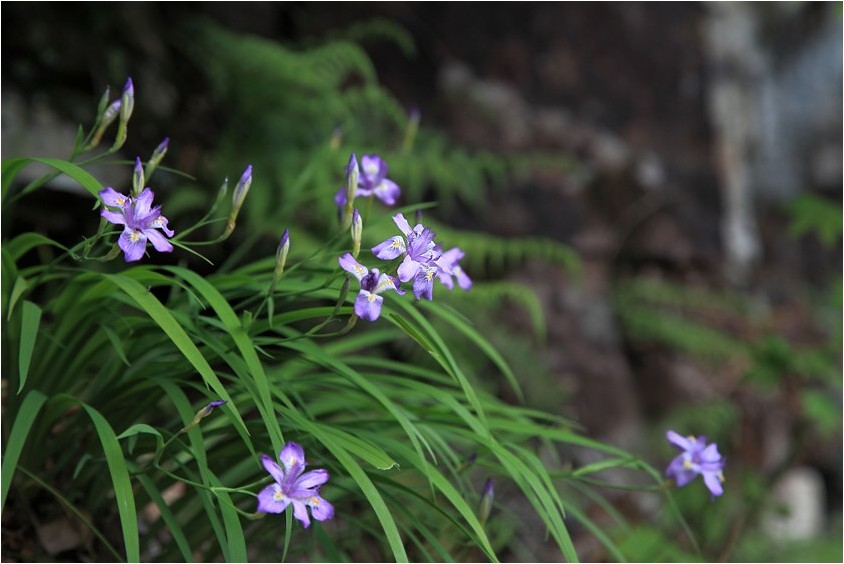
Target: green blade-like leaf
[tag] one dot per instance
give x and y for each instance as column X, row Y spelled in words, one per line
column 176, row 333
column 123, row 493
column 27, row 413
column 30, row 320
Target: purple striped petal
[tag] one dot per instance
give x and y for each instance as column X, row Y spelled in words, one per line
column 301, row 513
column 273, row 468
column 408, row 269
column 390, row 249
column 272, row 500
column 353, row 267
column 368, row 305
column 133, row 243
column 159, row 241
column 320, row 509
column 292, row 455
column 312, row 479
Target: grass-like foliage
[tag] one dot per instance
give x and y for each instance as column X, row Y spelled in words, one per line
column 110, row 367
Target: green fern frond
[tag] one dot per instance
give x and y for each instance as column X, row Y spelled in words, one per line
column 489, row 296
column 379, row 29
column 489, row 254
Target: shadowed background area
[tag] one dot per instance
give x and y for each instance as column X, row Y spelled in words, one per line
column 690, row 155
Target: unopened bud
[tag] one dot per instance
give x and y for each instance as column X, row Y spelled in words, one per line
column 412, row 128
column 418, row 217
column 238, row 197
column 487, row 497
column 357, row 230
column 127, row 100
column 224, row 189
column 137, row 178
column 108, row 116
column 281, row 254
column 352, row 175
column 156, row 157
column 241, row 189
column 103, row 102
column 202, row 414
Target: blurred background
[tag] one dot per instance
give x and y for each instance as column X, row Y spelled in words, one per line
column 653, row 192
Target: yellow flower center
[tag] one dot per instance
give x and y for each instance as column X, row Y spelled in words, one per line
column 135, row 236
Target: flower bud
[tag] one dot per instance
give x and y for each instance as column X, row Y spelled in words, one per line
column 357, row 230
column 137, row 178
column 224, row 189
column 238, row 197
column 202, row 414
column 412, row 129
column 281, row 254
column 109, row 114
column 127, row 100
column 352, row 175
column 241, row 189
column 156, row 157
column 487, row 497
column 103, row 102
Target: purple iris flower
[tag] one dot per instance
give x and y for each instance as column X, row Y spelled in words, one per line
column 696, row 458
column 420, row 255
column 294, row 486
column 373, row 180
column 368, row 303
column 141, row 222
column 448, row 267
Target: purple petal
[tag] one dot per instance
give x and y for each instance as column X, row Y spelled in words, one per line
column 387, row 191
column 396, row 283
column 113, row 217
column 390, row 249
column 133, row 243
column 710, row 454
column 679, row 472
column 301, row 513
column 450, row 258
column 713, row 482
column 273, row 468
column 320, row 509
column 368, row 305
column 373, row 169
column 679, row 441
column 143, row 203
column 113, row 198
column 385, row 282
column 340, row 197
column 160, row 222
column 423, row 284
column 402, row 224
column 352, row 266
column 408, row 269
column 312, row 479
column 159, row 241
column 445, row 279
column 463, row 279
column 292, row 455
column 272, row 500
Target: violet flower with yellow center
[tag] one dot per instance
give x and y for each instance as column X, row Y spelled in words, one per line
column 141, row 221
column 293, row 486
column 696, row 458
column 368, row 303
